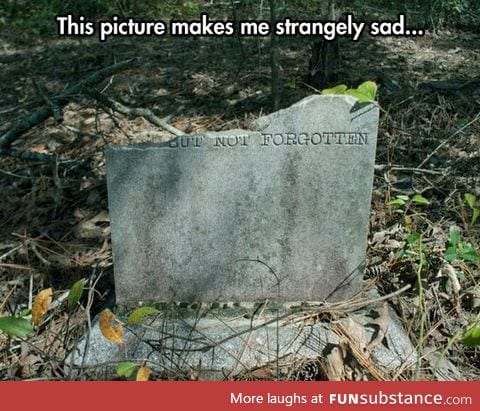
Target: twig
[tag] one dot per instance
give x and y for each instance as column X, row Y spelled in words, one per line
column 7, row 297
column 448, row 139
column 382, row 167
column 30, row 292
column 365, row 303
column 208, row 346
column 37, row 253
column 10, row 252
column 15, row 175
column 136, row 111
column 87, row 310
column 27, row 155
column 16, row 266
column 52, row 104
column 421, row 314
column 349, row 305
column 341, row 331
column 43, row 113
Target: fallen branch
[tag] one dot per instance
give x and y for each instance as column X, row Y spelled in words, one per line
column 55, row 108
column 27, row 155
column 43, row 113
column 383, row 167
column 136, row 112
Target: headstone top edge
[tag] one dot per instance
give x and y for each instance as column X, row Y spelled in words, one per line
column 165, row 144
column 256, row 126
column 326, row 100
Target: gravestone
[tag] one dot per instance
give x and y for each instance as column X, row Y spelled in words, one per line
column 277, row 212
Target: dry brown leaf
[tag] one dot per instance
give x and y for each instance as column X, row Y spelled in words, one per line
column 143, row 374
column 39, row 148
column 334, row 364
column 29, row 365
column 453, row 277
column 40, row 305
column 95, row 227
column 357, row 334
column 382, row 322
column 110, row 327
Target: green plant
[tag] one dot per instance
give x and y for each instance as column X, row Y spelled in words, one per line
column 365, row 92
column 470, row 200
column 16, row 326
column 401, row 202
column 460, row 250
column 416, row 252
column 21, row 325
column 126, row 369
column 471, row 338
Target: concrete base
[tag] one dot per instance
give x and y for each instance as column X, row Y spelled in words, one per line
column 220, row 343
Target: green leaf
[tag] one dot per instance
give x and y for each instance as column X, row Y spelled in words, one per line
column 76, row 292
column 403, row 197
column 454, row 236
column 419, row 199
column 413, row 238
column 400, row 253
column 475, row 215
column 368, row 89
column 291, row 84
column 471, row 337
column 450, row 254
column 396, row 202
column 25, row 312
column 126, row 369
column 16, row 326
column 470, row 200
column 468, row 253
column 138, row 315
column 340, row 89
column 362, row 98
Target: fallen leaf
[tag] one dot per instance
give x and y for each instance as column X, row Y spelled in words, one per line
column 334, row 364
column 110, row 327
column 40, row 305
column 39, row 148
column 29, row 365
column 472, row 336
column 441, row 367
column 453, row 277
column 138, row 315
column 357, row 334
column 16, row 326
column 143, row 374
column 381, row 324
column 125, row 369
column 95, row 227
column 76, row 292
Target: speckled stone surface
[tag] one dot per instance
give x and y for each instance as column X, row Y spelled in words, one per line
column 278, row 212
column 221, row 343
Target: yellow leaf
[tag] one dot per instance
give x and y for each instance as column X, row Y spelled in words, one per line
column 340, row 89
column 40, row 305
column 110, row 327
column 143, row 374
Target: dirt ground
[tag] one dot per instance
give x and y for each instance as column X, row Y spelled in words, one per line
column 54, row 224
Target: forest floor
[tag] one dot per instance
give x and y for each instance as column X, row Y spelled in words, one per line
column 54, row 223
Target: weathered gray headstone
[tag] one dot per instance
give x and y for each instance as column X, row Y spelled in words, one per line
column 279, row 213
